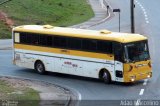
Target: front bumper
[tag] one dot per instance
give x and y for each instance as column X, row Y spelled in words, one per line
column 137, row 77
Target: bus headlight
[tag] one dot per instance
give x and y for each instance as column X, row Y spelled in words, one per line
column 133, row 78
column 149, row 75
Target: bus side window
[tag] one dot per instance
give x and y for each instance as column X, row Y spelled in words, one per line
column 59, row 41
column 35, row 39
column 74, row 43
column 23, row 38
column 118, row 52
column 89, row 45
column 104, row 47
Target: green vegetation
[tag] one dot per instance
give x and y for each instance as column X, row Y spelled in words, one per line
column 53, row 12
column 23, row 95
column 5, row 31
column 4, row 88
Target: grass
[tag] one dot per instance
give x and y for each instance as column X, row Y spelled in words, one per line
column 26, row 97
column 4, row 88
column 5, row 32
column 53, row 12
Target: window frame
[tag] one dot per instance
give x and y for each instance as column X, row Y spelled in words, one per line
column 52, row 45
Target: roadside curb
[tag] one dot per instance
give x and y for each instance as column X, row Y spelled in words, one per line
column 71, row 100
column 105, row 3
column 103, row 20
column 5, row 48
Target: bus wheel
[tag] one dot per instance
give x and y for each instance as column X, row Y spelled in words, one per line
column 106, row 77
column 39, row 66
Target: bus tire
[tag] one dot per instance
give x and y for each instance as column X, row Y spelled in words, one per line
column 105, row 76
column 39, row 67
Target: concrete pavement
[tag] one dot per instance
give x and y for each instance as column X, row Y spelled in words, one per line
column 101, row 12
column 5, row 44
column 113, row 24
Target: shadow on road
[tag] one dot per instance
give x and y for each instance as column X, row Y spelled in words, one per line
column 74, row 77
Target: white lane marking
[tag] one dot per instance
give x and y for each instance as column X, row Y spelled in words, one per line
column 145, row 82
column 147, row 22
column 142, row 7
column 137, row 102
column 79, row 96
column 146, row 17
column 144, row 11
column 141, row 92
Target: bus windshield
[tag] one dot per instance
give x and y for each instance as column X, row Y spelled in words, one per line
column 137, row 51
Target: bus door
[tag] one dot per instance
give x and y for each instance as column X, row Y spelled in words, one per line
column 118, row 61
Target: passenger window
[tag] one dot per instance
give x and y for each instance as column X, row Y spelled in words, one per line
column 74, row 43
column 42, row 40
column 60, row 42
column 104, row 47
column 89, row 45
column 35, row 39
column 23, row 38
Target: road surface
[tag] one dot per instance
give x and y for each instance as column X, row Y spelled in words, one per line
column 147, row 22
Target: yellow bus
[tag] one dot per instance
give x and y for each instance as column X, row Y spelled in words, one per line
column 106, row 55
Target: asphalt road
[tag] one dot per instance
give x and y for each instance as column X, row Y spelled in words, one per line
column 147, row 22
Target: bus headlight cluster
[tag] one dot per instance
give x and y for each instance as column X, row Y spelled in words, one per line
column 133, row 78
column 149, row 75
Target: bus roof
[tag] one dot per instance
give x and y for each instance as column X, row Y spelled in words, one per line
column 82, row 33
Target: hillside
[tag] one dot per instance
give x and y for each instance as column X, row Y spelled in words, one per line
column 54, row 12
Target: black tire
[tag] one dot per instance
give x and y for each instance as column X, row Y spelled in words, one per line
column 39, row 66
column 106, row 77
